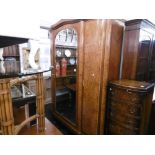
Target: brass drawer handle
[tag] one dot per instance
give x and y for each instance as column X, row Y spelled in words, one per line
column 111, row 91
column 132, row 110
column 129, row 91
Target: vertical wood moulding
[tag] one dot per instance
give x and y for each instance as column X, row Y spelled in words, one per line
column 0, row 110
column 53, row 78
column 105, row 73
column 5, row 101
column 38, row 99
column 3, row 116
column 150, row 58
column 135, row 48
column 121, row 57
column 6, row 107
column 102, row 50
column 80, row 72
column 10, row 108
column 40, row 103
column 2, row 107
column 83, row 62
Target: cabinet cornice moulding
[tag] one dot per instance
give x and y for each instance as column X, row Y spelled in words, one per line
column 66, row 21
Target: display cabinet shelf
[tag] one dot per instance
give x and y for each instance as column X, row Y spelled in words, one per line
column 66, row 57
column 67, row 76
column 65, row 47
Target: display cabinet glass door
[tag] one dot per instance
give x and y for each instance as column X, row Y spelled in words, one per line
column 66, row 68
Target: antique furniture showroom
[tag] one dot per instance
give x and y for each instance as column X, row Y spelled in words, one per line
column 84, row 76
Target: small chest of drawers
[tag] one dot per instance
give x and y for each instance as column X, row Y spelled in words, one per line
column 128, row 107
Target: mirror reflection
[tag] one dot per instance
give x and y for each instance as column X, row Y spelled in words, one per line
column 66, row 68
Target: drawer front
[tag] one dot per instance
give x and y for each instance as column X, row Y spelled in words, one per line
column 125, row 119
column 124, row 94
column 121, row 129
column 125, row 107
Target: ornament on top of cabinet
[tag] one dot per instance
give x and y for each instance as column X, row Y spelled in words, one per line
column 63, row 66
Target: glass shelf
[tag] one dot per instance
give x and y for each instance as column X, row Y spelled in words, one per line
column 66, row 57
column 67, row 76
column 66, row 46
column 21, row 91
column 21, row 95
column 28, row 73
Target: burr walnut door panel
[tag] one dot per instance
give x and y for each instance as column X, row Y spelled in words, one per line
column 91, row 77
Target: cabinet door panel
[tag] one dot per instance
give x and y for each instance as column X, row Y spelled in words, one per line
column 152, row 65
column 144, row 54
column 91, row 78
column 130, row 52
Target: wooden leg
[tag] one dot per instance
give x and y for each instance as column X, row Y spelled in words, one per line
column 0, row 111
column 7, row 120
column 40, row 103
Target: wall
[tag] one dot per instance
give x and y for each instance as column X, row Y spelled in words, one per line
column 19, row 19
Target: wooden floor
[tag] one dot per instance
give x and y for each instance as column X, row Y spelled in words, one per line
column 50, row 129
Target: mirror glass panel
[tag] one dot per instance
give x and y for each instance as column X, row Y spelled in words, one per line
column 66, row 68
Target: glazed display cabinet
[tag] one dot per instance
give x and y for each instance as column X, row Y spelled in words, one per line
column 85, row 55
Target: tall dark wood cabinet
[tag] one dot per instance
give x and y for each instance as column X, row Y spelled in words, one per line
column 82, row 82
column 129, row 107
column 139, row 51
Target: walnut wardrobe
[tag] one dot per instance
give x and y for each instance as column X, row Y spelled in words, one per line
column 86, row 55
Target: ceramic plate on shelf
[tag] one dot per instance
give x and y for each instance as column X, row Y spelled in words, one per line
column 67, row 53
column 72, row 61
column 58, row 53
